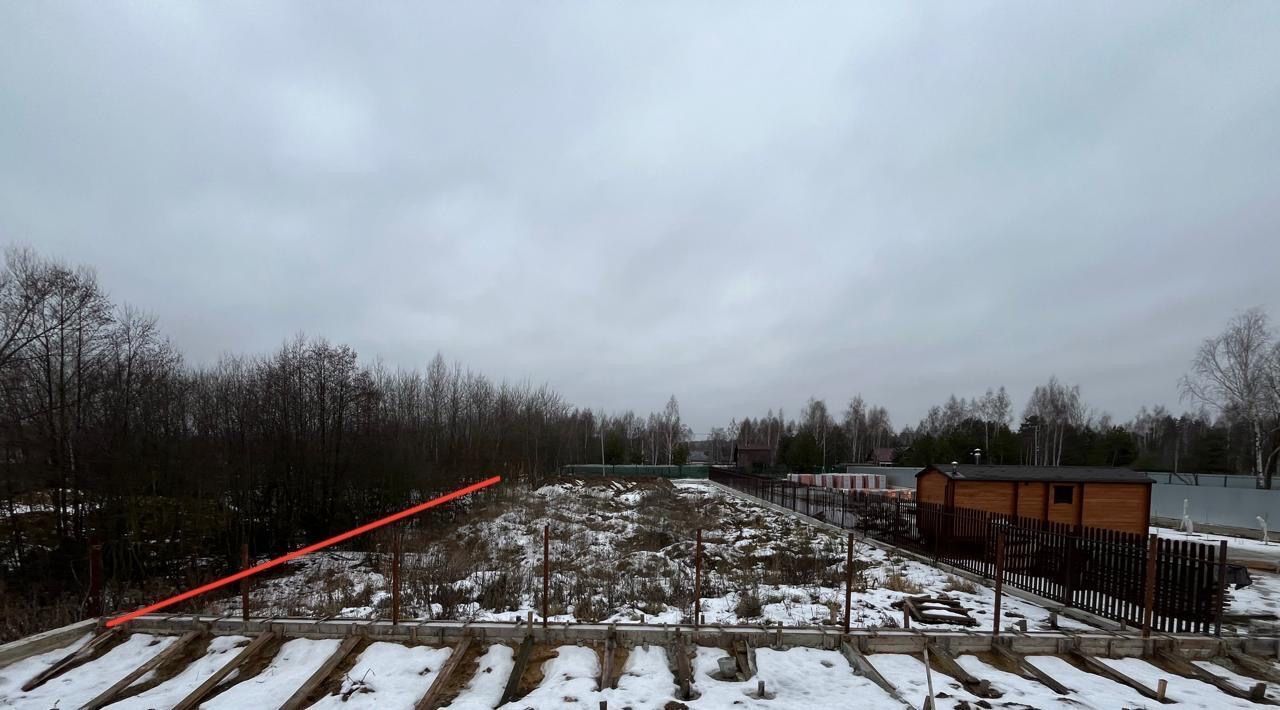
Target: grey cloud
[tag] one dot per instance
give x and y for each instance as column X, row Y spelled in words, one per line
column 742, row 204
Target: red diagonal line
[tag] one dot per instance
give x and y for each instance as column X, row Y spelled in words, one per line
column 304, row 551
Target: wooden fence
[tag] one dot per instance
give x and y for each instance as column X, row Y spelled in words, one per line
column 1145, row 582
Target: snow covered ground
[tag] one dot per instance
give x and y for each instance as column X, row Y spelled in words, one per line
column 623, row 551
column 1243, row 544
column 389, row 675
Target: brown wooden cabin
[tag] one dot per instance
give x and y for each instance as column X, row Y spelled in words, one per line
column 1110, row 498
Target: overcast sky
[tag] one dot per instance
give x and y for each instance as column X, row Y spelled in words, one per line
column 741, row 204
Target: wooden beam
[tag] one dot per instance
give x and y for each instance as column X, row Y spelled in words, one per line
column 71, row 660
column 978, row 686
column 1030, row 669
column 684, row 675
column 255, row 647
column 299, row 698
column 108, row 695
column 742, row 655
column 1097, row 667
column 606, row 664
column 435, row 694
column 1183, row 667
column 522, row 659
column 862, row 666
column 1254, row 667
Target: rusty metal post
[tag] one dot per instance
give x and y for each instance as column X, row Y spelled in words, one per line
column 848, row 581
column 546, row 570
column 995, row 622
column 244, row 583
column 395, row 577
column 697, row 581
column 1222, row 588
column 1149, row 591
column 95, row 579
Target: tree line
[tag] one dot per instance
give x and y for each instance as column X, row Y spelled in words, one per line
column 1233, row 385
column 108, row 434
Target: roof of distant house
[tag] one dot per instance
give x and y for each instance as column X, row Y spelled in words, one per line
column 883, row 454
column 753, row 447
column 1062, row 474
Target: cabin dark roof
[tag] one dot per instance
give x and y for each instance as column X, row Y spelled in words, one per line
column 1064, row 474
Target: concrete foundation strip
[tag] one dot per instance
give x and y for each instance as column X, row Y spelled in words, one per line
column 888, row 640
column 44, row 642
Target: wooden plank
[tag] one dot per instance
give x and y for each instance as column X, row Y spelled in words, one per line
column 742, row 655
column 1030, row 669
column 684, row 675
column 978, row 686
column 1254, row 667
column 862, row 666
column 255, row 647
column 1183, row 667
column 606, row 665
column 435, row 694
column 299, row 697
column 1097, row 667
column 522, row 660
column 71, row 660
column 108, row 695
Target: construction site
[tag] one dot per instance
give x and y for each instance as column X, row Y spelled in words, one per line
column 635, row 593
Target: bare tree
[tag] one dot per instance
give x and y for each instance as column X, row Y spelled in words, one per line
column 1229, row 373
column 855, row 426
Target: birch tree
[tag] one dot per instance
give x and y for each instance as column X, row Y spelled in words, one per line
column 1230, row 373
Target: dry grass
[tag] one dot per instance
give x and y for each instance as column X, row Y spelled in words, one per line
column 956, row 584
column 618, row 548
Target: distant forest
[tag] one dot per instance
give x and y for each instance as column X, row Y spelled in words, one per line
column 108, row 434
column 1233, row 383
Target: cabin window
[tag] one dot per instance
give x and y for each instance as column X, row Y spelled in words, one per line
column 1063, row 494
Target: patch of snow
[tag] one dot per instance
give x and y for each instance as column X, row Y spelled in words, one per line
column 568, row 681
column 1181, row 690
column 83, row 683
column 484, row 690
column 388, row 675
column 14, row 675
column 167, row 694
column 292, row 665
column 646, row 681
column 1242, row 682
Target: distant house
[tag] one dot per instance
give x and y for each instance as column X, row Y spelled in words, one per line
column 698, row 457
column 1111, row 498
column 882, row 456
column 752, row 458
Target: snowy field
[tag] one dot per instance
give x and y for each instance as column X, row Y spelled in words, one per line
column 623, row 551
